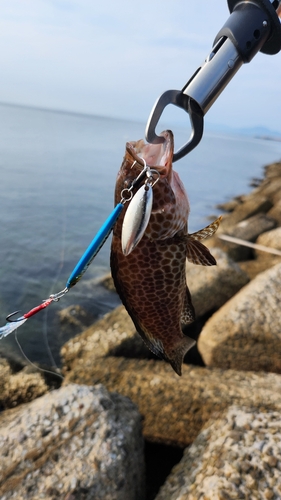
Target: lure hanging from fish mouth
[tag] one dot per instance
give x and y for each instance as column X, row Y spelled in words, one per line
column 138, row 213
column 136, row 218
column 88, row 256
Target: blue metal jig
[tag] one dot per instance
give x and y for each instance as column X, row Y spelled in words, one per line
column 94, row 247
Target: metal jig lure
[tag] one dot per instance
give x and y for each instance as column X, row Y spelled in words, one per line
column 138, row 214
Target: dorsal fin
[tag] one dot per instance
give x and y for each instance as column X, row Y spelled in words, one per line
column 207, row 231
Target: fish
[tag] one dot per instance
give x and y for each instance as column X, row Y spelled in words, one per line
column 151, row 278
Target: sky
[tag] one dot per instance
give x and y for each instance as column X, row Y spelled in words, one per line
column 114, row 58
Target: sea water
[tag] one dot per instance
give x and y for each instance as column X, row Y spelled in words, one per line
column 58, row 173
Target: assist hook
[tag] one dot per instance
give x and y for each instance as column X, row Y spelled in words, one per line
column 252, row 26
column 8, row 318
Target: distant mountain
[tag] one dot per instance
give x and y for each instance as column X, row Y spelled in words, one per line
column 258, row 131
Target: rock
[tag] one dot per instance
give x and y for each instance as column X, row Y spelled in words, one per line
column 260, row 200
column 273, row 170
column 229, row 205
column 275, row 212
column 248, row 229
column 271, row 184
column 107, row 282
column 271, row 239
column 252, row 204
column 114, row 334
column 270, row 188
column 245, row 333
column 256, row 266
column 235, row 456
column 20, row 387
column 212, row 286
column 241, row 222
column 175, row 408
column 252, row 227
column 76, row 442
column 74, row 319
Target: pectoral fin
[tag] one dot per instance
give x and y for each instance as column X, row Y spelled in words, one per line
column 198, row 254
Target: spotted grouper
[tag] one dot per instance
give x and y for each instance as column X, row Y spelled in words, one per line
column 151, row 279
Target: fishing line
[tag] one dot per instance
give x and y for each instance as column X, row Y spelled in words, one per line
column 58, row 374
column 59, row 270
column 62, row 197
column 82, row 265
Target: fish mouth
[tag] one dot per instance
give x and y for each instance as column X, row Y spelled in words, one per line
column 158, row 156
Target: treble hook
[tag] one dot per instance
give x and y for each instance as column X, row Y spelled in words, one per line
column 13, row 320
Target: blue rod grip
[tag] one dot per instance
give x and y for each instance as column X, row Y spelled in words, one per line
column 94, row 247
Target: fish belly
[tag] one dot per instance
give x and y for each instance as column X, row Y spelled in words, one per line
column 152, row 285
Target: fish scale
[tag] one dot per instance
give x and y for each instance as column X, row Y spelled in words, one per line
column 151, row 280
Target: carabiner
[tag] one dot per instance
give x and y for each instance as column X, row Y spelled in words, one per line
column 181, row 100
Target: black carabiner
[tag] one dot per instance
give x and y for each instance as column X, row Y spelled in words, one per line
column 177, row 98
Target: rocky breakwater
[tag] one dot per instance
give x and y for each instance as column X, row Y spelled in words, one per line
column 85, row 440
column 246, row 332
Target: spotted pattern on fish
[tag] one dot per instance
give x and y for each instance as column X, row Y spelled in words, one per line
column 169, row 215
column 151, row 283
column 151, row 280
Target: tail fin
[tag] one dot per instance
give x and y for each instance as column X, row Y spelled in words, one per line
column 175, row 356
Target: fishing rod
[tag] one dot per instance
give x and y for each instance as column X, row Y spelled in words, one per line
column 253, row 26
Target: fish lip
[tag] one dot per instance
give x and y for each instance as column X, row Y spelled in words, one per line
column 158, row 156
column 130, row 148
